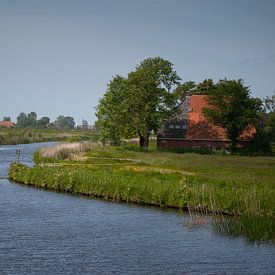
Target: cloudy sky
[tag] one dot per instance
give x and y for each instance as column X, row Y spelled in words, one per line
column 57, row 56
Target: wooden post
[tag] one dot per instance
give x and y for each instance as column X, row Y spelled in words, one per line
column 18, row 154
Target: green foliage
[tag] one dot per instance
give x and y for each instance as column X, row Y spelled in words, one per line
column 254, row 229
column 37, row 159
column 116, row 184
column 64, row 122
column 231, row 184
column 270, row 126
column 7, row 118
column 26, row 120
column 43, row 122
column 206, row 87
column 30, row 121
column 136, row 105
column 232, row 108
column 148, row 185
column 22, row 120
column 18, row 135
column 260, row 144
column 269, row 117
column 110, row 113
column 182, row 89
column 191, row 88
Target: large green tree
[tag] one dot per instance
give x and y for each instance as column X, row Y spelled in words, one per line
column 111, row 117
column 232, row 108
column 64, row 122
column 43, row 122
column 140, row 103
column 32, row 119
column 26, row 120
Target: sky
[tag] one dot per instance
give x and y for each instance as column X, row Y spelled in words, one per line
column 57, row 56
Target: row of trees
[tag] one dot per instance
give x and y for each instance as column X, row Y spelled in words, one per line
column 138, row 104
column 30, row 121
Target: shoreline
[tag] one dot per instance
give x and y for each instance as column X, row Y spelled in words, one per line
column 145, row 187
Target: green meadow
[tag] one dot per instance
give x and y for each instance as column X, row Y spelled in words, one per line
column 235, row 185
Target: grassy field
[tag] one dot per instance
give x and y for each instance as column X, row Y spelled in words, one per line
column 207, row 183
column 27, row 135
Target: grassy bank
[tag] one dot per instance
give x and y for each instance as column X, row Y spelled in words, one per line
column 228, row 184
column 21, row 136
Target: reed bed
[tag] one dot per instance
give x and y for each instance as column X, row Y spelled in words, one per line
column 253, row 229
column 63, row 151
column 31, row 135
column 166, row 189
column 152, row 188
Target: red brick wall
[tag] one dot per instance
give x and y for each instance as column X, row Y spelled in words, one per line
column 206, row 144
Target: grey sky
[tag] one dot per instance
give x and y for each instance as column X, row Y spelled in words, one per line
column 57, row 56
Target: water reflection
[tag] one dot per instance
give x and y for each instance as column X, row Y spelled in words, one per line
column 253, row 229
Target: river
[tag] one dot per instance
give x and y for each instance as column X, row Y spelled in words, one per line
column 43, row 232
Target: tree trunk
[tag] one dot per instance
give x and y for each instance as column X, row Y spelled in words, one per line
column 233, row 145
column 144, row 141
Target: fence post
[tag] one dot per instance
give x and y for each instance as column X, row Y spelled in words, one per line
column 18, row 154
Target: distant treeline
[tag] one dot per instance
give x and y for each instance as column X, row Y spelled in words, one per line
column 30, row 120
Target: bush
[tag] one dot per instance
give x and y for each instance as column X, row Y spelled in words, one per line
column 260, row 145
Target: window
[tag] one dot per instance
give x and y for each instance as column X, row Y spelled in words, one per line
column 171, row 126
column 184, row 127
column 177, row 126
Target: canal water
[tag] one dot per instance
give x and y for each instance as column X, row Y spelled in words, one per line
column 43, row 232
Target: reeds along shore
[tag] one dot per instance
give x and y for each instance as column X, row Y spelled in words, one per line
column 9, row 136
column 150, row 187
column 241, row 187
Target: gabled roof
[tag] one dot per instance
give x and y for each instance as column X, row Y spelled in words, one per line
column 200, row 128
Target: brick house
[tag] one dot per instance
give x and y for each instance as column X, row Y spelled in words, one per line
column 191, row 129
column 6, row 124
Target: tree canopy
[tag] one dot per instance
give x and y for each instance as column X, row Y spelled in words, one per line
column 138, row 104
column 112, row 118
column 232, row 108
column 26, row 120
column 7, row 118
column 43, row 122
column 64, row 122
column 30, row 121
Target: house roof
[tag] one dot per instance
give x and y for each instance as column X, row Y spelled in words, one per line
column 6, row 123
column 200, row 128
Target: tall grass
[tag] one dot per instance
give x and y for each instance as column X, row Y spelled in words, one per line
column 254, row 229
column 65, row 150
column 28, row 135
column 149, row 186
column 153, row 188
column 231, row 198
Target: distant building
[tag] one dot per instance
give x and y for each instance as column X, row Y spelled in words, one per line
column 6, row 124
column 191, row 129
